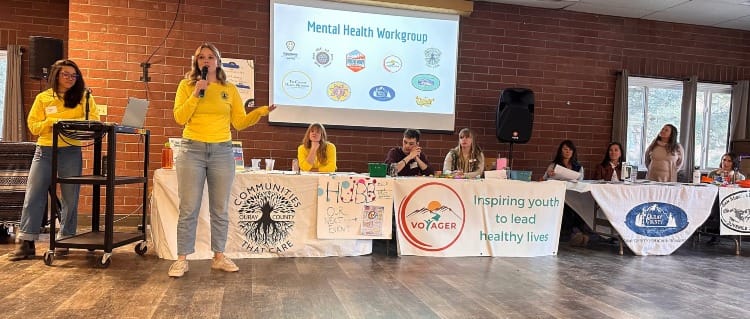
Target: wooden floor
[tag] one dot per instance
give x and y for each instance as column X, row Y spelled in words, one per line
column 700, row 282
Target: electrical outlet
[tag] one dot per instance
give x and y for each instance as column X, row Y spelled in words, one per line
column 102, row 109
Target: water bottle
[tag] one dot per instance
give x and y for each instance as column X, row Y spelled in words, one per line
column 633, row 173
column 393, row 170
column 295, row 166
column 625, row 171
column 696, row 175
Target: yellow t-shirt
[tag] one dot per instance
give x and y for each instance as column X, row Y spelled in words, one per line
column 207, row 119
column 48, row 108
column 328, row 166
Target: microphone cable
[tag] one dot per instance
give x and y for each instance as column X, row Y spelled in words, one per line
column 171, row 26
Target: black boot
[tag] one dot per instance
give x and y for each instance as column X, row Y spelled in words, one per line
column 25, row 250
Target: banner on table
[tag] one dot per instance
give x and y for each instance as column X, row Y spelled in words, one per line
column 654, row 219
column 354, row 207
column 734, row 211
column 270, row 215
column 443, row 217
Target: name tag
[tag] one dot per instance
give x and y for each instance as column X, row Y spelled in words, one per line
column 50, row 109
column 413, row 165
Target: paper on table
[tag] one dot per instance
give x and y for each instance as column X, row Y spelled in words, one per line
column 564, row 174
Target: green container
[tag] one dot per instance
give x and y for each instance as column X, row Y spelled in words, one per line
column 521, row 175
column 377, row 169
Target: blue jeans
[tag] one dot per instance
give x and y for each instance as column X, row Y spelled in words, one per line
column 69, row 163
column 201, row 164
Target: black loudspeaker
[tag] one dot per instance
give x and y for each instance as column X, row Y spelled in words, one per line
column 515, row 115
column 43, row 52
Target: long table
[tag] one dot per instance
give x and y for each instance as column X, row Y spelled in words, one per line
column 650, row 218
column 280, row 215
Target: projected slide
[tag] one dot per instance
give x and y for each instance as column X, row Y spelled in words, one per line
column 354, row 65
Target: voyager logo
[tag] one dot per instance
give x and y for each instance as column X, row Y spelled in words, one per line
column 735, row 213
column 430, row 224
column 656, row 219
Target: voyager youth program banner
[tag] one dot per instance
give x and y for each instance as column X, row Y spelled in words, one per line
column 438, row 217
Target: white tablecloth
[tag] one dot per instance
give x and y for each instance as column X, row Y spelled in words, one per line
column 652, row 219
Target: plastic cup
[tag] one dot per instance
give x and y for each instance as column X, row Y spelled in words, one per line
column 269, row 164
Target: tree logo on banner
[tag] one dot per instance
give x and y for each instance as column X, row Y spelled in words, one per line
column 655, row 219
column 432, row 217
column 266, row 217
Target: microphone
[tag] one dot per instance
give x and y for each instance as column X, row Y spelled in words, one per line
column 88, row 108
column 204, row 73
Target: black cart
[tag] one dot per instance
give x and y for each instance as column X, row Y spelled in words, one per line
column 97, row 239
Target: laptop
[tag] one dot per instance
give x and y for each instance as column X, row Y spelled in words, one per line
column 135, row 113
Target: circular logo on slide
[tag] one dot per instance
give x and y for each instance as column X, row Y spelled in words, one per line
column 339, row 91
column 392, row 63
column 425, row 82
column 296, row 84
column 322, row 57
column 432, row 217
column 382, row 93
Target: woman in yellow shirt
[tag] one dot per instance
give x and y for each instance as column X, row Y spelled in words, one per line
column 65, row 99
column 316, row 153
column 207, row 105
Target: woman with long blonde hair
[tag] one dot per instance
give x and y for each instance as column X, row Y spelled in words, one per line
column 467, row 158
column 316, row 154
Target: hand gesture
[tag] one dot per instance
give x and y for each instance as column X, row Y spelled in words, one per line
column 200, row 85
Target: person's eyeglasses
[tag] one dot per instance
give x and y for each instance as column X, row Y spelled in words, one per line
column 69, row 76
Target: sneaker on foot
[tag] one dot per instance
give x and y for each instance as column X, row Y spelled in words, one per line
column 178, row 268
column 224, row 264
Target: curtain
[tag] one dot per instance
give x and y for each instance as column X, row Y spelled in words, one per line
column 687, row 128
column 739, row 128
column 620, row 111
column 14, row 121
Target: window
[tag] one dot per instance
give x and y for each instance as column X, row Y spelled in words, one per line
column 712, row 107
column 3, row 80
column 652, row 103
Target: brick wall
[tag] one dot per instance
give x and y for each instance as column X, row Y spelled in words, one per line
column 568, row 59
column 21, row 19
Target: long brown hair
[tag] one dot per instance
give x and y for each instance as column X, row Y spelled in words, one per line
column 322, row 155
column 476, row 151
column 195, row 73
column 74, row 95
column 671, row 143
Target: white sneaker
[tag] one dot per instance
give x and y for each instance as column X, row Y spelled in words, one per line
column 224, row 264
column 178, row 268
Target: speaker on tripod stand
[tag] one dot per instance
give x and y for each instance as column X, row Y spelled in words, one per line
column 514, row 118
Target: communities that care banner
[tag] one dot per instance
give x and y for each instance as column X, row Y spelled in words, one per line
column 355, row 207
column 444, row 217
column 270, row 215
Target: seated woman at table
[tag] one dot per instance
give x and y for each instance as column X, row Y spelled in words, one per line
column 727, row 173
column 664, row 156
column 567, row 157
column 611, row 166
column 573, row 226
column 466, row 159
column 316, row 154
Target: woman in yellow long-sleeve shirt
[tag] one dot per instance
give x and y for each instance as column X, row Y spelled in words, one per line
column 65, row 99
column 316, row 153
column 206, row 107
